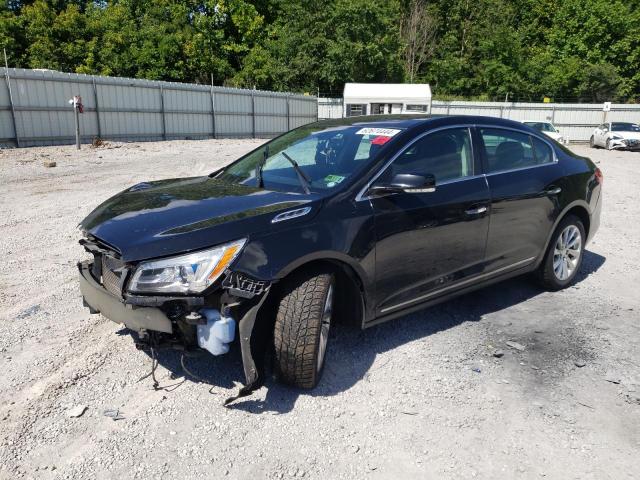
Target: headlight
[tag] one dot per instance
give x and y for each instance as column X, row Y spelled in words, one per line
column 190, row 273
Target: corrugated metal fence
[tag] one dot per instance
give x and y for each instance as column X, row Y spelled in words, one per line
column 34, row 109
column 576, row 120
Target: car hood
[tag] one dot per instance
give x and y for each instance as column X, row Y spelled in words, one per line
column 627, row 135
column 554, row 135
column 169, row 217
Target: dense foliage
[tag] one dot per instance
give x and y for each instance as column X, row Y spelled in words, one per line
column 523, row 49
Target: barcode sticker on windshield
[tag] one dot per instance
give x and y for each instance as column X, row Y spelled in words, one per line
column 382, row 132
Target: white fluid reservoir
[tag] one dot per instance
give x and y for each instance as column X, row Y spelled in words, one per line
column 219, row 331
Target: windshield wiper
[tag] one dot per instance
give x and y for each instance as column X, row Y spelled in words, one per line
column 304, row 180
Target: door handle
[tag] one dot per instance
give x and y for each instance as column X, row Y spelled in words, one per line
column 553, row 191
column 476, row 211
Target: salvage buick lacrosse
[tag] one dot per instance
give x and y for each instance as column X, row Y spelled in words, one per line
column 359, row 219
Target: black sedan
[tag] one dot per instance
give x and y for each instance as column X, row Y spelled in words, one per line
column 361, row 219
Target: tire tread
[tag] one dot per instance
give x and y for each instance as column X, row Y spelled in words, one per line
column 297, row 328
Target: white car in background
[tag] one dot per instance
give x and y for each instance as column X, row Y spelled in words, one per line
column 548, row 129
column 616, row 135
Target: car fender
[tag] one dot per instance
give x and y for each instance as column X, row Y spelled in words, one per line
column 561, row 215
column 350, row 242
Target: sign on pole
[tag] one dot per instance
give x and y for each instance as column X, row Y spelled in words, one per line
column 78, row 108
column 606, row 107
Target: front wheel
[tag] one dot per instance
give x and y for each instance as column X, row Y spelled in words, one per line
column 592, row 142
column 301, row 330
column 563, row 258
column 608, row 144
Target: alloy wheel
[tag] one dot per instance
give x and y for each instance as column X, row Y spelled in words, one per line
column 324, row 328
column 566, row 254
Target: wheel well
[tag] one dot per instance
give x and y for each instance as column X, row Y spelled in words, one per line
column 348, row 287
column 583, row 215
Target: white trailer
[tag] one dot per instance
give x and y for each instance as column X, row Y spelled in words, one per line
column 386, row 98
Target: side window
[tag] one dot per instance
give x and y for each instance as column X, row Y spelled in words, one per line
column 542, row 151
column 507, row 150
column 446, row 154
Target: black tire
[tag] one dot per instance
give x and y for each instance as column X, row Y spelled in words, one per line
column 608, row 144
column 298, row 326
column 592, row 142
column 546, row 273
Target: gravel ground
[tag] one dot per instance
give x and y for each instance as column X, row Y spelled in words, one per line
column 420, row 397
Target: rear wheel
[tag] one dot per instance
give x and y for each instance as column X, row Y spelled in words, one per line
column 563, row 259
column 301, row 331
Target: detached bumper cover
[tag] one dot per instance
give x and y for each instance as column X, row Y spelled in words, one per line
column 97, row 298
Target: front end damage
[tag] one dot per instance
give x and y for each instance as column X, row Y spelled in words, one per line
column 620, row 143
column 185, row 323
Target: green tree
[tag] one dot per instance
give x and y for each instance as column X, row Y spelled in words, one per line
column 589, row 49
column 313, row 45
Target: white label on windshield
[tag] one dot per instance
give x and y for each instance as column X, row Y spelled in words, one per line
column 382, row 132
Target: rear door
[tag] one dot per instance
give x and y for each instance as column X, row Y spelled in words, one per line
column 525, row 181
column 427, row 242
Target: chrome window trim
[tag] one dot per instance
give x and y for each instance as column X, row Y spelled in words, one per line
column 513, row 266
column 360, row 196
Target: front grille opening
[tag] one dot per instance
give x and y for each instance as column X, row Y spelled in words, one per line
column 112, row 271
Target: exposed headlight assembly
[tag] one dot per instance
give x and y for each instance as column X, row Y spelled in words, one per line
column 190, row 273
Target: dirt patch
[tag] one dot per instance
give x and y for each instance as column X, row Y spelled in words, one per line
column 421, row 397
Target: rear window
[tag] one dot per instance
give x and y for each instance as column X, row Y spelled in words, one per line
column 511, row 150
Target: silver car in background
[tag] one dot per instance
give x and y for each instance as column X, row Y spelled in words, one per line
column 548, row 129
column 616, row 136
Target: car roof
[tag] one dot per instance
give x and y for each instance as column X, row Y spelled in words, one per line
column 537, row 121
column 414, row 121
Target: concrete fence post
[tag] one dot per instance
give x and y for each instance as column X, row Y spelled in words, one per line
column 164, row 126
column 289, row 114
column 253, row 115
column 213, row 113
column 95, row 100
column 11, row 105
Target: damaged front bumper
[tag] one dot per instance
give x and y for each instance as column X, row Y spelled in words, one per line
column 624, row 144
column 173, row 317
column 99, row 300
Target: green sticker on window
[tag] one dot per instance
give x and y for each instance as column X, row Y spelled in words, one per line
column 333, row 180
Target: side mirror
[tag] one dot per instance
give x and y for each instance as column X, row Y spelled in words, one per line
column 405, row 182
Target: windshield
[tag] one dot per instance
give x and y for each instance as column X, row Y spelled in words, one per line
column 314, row 158
column 541, row 126
column 624, row 127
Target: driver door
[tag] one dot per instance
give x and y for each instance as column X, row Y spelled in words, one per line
column 428, row 242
